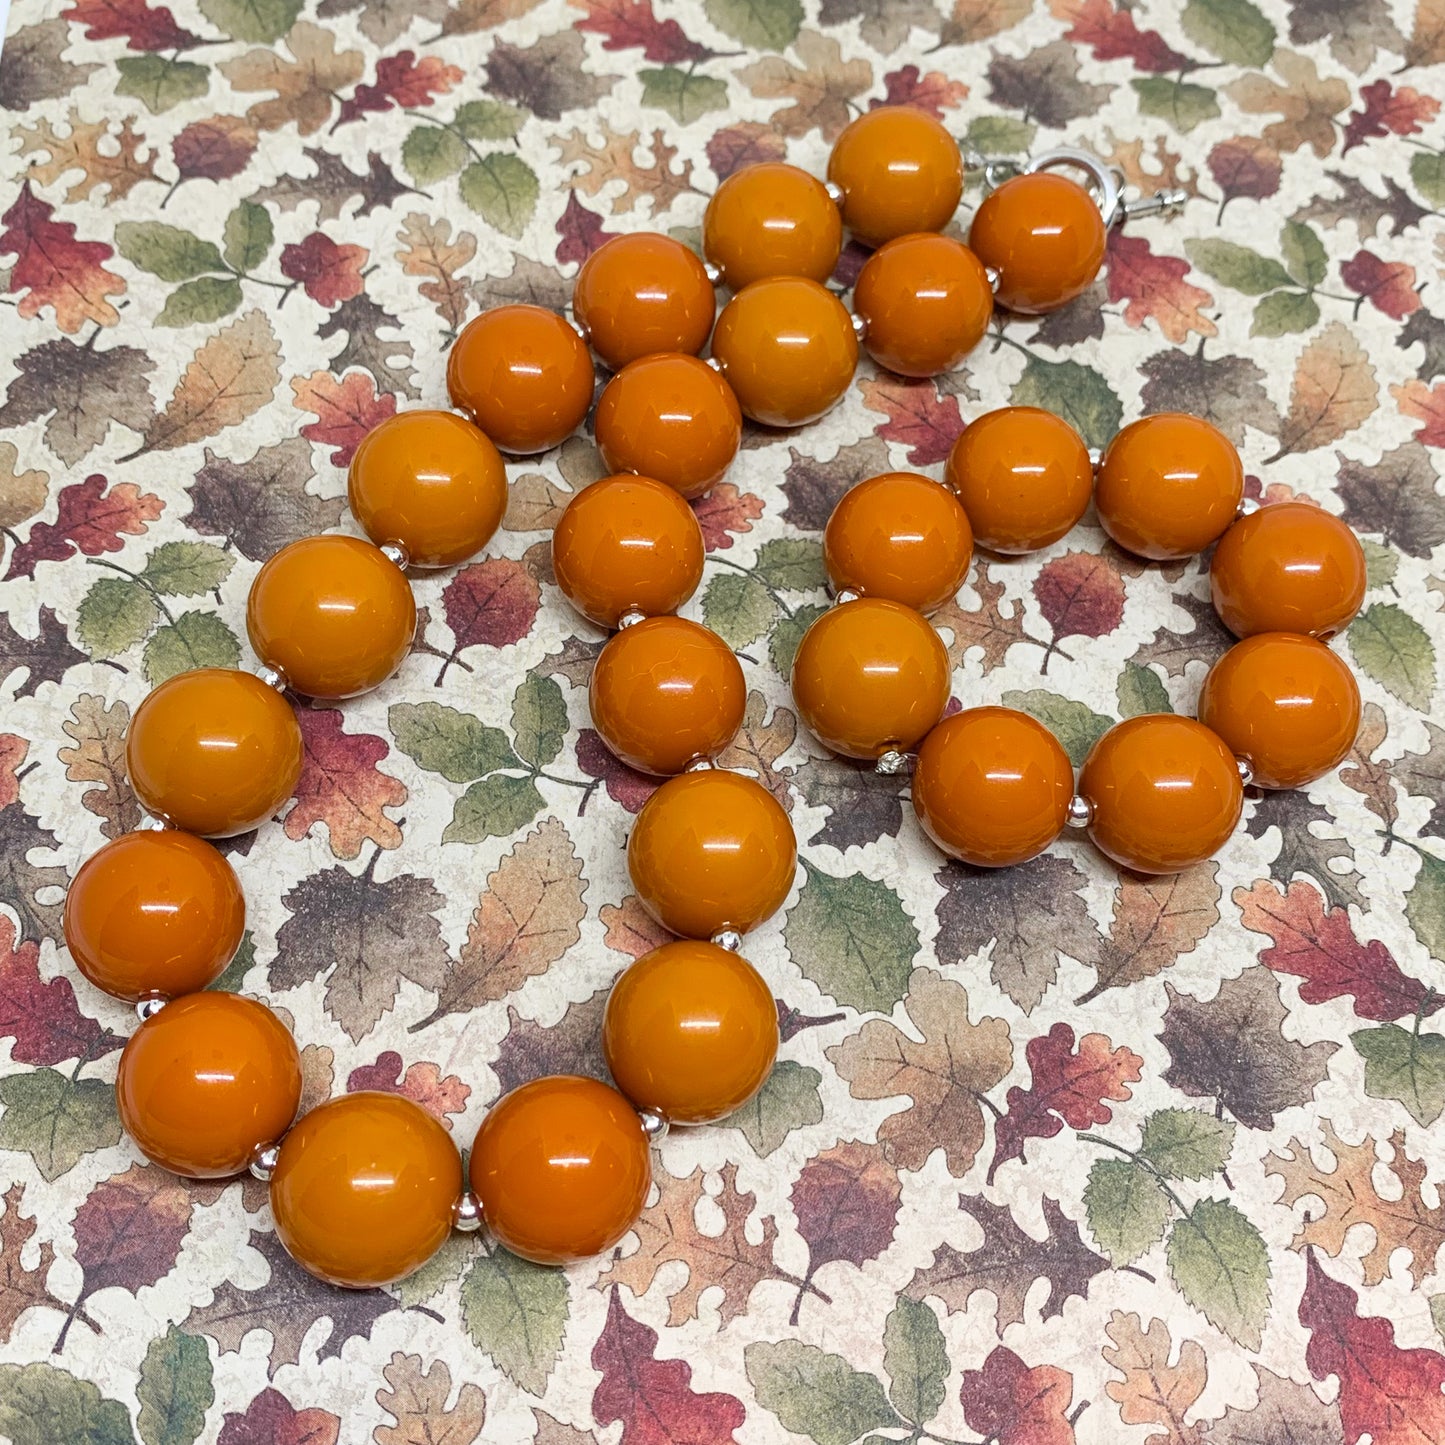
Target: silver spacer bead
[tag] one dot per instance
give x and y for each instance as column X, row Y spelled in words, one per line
column 396, row 554
column 1247, row 507
column 152, row 823
column 272, row 677
column 860, row 326
column 654, row 1126
column 845, row 594
column 630, row 618
column 713, row 273
column 1246, row 771
column 264, row 1161
column 467, row 1212
column 1081, row 812
column 728, row 938
column 579, row 328
column 1096, row 459
column 148, row 1008
column 699, row 765
column 835, row 192
column 716, row 365
column 893, row 762
column 995, row 276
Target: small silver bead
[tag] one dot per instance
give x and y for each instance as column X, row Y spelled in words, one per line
column 845, row 594
column 699, row 765
column 395, row 553
column 272, row 677
column 630, row 618
column 1081, row 812
column 579, row 328
column 728, row 938
column 835, row 192
column 1096, row 458
column 893, row 762
column 995, row 276
column 713, row 362
column 713, row 273
column 1246, row 771
column 654, row 1126
column 264, row 1161
column 152, row 823
column 1247, row 507
column 147, row 1008
column 467, row 1213
column 860, row 326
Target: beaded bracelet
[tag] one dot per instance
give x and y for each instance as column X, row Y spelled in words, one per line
column 366, row 1187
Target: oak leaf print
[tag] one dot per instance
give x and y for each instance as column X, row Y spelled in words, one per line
column 1155, row 1390
column 91, row 517
column 416, row 1398
column 428, row 250
column 97, row 732
column 22, row 1286
column 118, row 169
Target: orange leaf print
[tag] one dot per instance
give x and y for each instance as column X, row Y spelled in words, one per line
column 53, row 269
column 1426, row 404
column 345, row 410
column 1154, row 286
column 1334, row 391
column 342, row 787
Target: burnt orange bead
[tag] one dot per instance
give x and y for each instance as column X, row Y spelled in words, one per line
column 1165, row 793
column 901, row 537
column 1023, row 476
column 771, row 219
column 1168, row 486
column 523, row 375
column 788, row 350
column 925, row 303
column 562, row 1169
column 992, row 786
column 712, row 850
column 640, row 294
column 154, row 914
column 363, row 1191
column 1290, row 567
column 430, row 483
column 1285, row 704
column 870, row 677
column 213, row 752
column 899, row 171
column 206, row 1082
column 672, row 418
column 690, row 1032
column 332, row 615
column 1044, row 236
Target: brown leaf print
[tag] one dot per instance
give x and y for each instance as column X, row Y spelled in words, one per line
column 428, row 250
column 1306, row 102
column 22, row 1287
column 819, row 89
column 98, row 756
column 1155, row 1391
column 1333, row 391
column 416, row 1399
column 305, row 87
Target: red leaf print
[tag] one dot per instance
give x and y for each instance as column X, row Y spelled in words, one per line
column 652, row 1398
column 918, row 418
column 1245, row 166
column 89, row 518
column 1386, row 110
column 345, row 410
column 631, row 25
column 1426, row 404
column 933, row 92
column 1081, row 595
column 142, row 27
column 341, row 785
column 54, row 269
column 1067, row 1088
column 12, row 754
column 748, row 143
column 1013, row 1404
column 1388, row 286
column 328, row 273
column 1112, row 35
column 581, row 232
column 423, row 1082
column 42, row 1016
column 1155, row 286
column 625, row 786
column 401, row 80
column 271, row 1419
column 491, row 604
column 723, row 512
column 214, row 149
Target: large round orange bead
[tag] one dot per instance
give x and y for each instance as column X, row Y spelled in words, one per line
column 430, row 483
column 672, row 418
column 771, row 219
column 1168, row 486
column 1023, row 476
column 787, row 348
column 523, row 375
column 712, row 850
column 213, row 752
column 899, row 536
column 665, row 693
column 207, row 1082
column 1291, row 567
column 332, row 615
column 870, row 677
column 364, row 1188
column 1165, row 793
column 992, row 786
column 1285, row 704
column 640, row 294
column 899, row 171
column 690, row 1032
column 562, row 1169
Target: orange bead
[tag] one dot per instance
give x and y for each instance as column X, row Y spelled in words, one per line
column 870, row 677
column 1044, row 236
column 1023, row 476
column 562, row 1169
column 364, row 1189
column 690, row 1032
column 901, row 537
column 925, row 303
column 788, row 350
column 154, row 915
column 430, row 483
column 899, row 171
column 640, row 294
column 992, row 786
column 672, row 418
column 1291, row 567
column 1168, row 486
column 207, row 1082
column 710, row 851
column 332, row 615
column 1285, row 704
column 213, row 752
column 771, row 219
column 523, row 375
column 1165, row 793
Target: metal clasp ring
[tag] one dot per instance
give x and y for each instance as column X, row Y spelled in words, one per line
column 1105, row 182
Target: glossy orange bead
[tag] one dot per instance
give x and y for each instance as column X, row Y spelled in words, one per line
column 712, row 850
column 562, row 1169
column 1044, row 236
column 523, row 375
column 1291, row 567
column 992, row 786
column 665, row 693
column 1023, row 476
column 870, row 677
column 362, row 1193
column 206, row 1082
column 788, row 350
column 640, row 294
column 1168, row 486
column 771, row 219
column 899, row 536
column 690, row 1032
column 1285, row 704
column 1165, row 793
column 430, row 483
column 899, row 171
column 154, row 914
column 672, row 418
column 213, row 752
